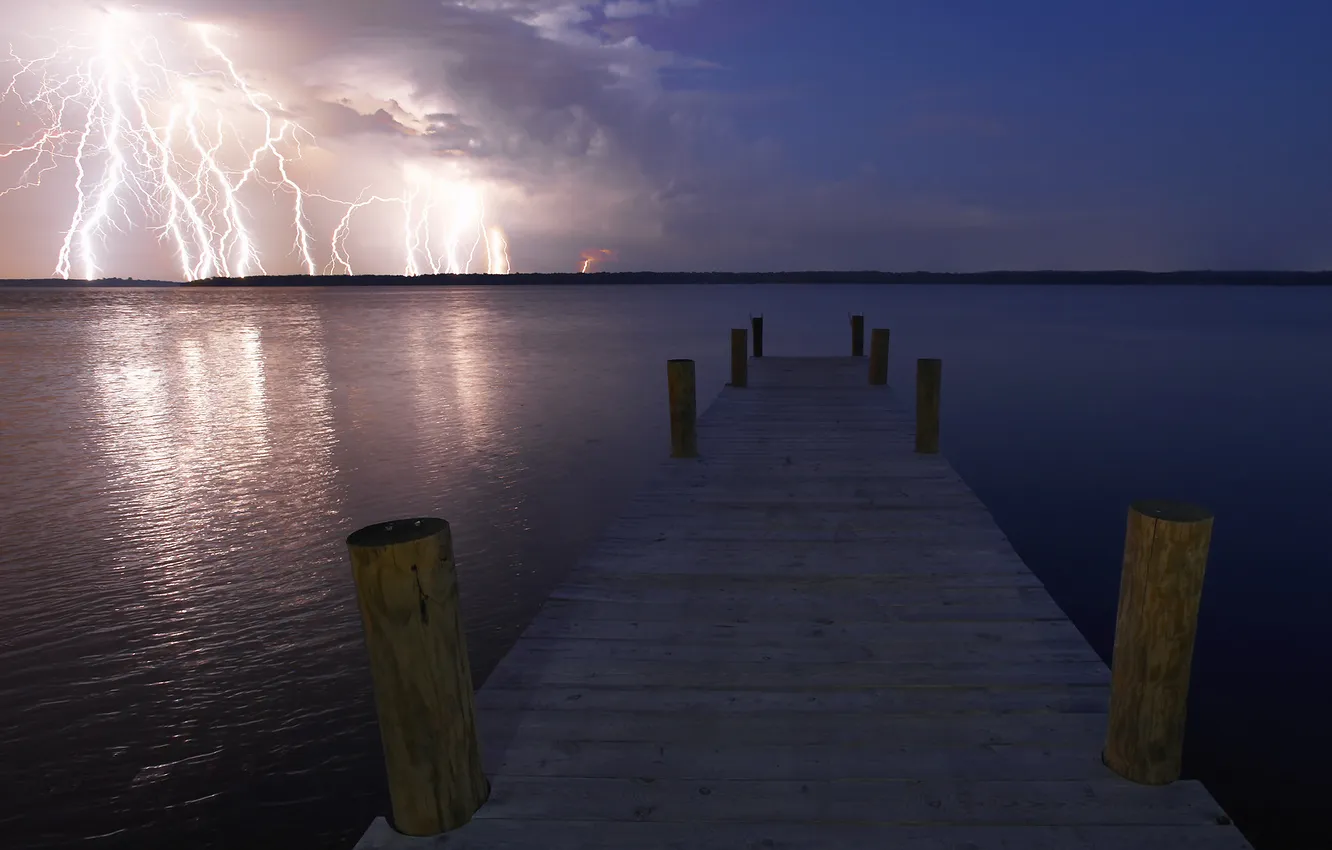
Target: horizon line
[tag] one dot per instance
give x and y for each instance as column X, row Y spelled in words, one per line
column 811, row 275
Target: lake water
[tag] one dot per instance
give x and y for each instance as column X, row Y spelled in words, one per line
column 181, row 661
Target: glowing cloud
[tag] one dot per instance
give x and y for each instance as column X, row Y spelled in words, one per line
column 591, row 259
column 181, row 143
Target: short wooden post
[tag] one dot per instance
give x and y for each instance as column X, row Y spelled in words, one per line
column 1165, row 556
column 408, row 593
column 857, row 336
column 757, row 322
column 929, row 375
column 878, row 365
column 739, row 357
column 684, row 408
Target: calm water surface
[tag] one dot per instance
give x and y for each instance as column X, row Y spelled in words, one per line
column 180, row 657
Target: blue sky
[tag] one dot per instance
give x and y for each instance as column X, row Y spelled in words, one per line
column 1208, row 122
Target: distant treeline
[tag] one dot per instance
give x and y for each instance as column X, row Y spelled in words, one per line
column 1110, row 278
column 996, row 278
column 1101, row 278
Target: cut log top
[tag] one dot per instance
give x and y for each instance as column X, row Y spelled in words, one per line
column 1172, row 511
column 395, row 533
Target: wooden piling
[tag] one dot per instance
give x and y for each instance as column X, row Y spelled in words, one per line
column 739, row 357
column 878, row 365
column 857, row 336
column 929, row 375
column 684, row 408
column 408, row 593
column 757, row 322
column 1165, row 557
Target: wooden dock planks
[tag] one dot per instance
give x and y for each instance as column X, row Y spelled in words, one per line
column 809, row 637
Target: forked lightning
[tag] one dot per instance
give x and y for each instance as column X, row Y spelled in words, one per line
column 188, row 152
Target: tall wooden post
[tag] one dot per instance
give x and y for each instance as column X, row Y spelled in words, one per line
column 857, row 336
column 684, row 408
column 1165, row 556
column 878, row 365
column 739, row 357
column 929, row 375
column 408, row 594
column 757, row 322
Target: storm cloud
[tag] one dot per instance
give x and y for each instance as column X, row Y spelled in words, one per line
column 616, row 126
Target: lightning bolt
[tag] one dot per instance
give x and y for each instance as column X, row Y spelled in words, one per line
column 595, row 257
column 497, row 251
column 161, row 145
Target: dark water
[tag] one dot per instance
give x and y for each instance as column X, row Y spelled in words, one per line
column 180, row 655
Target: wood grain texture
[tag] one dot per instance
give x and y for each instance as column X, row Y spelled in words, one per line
column 878, row 359
column 646, row 832
column 1165, row 557
column 810, row 636
column 899, row 732
column 684, row 408
column 408, row 592
column 883, row 801
column 739, row 357
column 929, row 377
column 956, row 700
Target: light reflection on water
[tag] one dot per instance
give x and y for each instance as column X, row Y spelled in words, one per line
column 180, row 653
column 195, row 585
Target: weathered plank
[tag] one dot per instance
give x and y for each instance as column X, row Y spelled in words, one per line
column 786, row 634
column 838, row 728
column 841, row 536
column 851, row 609
column 685, row 573
column 811, row 594
column 955, row 700
column 812, row 762
column 1003, row 802
column 804, row 652
column 525, row 669
column 827, row 559
column 486, row 833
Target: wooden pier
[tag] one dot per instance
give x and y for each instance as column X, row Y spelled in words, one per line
column 808, row 636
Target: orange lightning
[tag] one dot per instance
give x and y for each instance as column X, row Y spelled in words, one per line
column 594, row 257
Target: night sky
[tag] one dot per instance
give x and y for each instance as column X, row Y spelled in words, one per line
column 769, row 134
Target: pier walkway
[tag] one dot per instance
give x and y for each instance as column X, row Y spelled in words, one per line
column 809, row 637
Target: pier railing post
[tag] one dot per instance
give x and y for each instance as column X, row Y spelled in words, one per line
column 878, row 360
column 684, row 408
column 857, row 336
column 929, row 375
column 408, row 593
column 1165, row 556
column 757, row 322
column 739, row 357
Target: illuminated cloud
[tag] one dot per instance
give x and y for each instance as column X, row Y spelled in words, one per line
column 641, row 8
column 593, row 259
column 565, row 128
